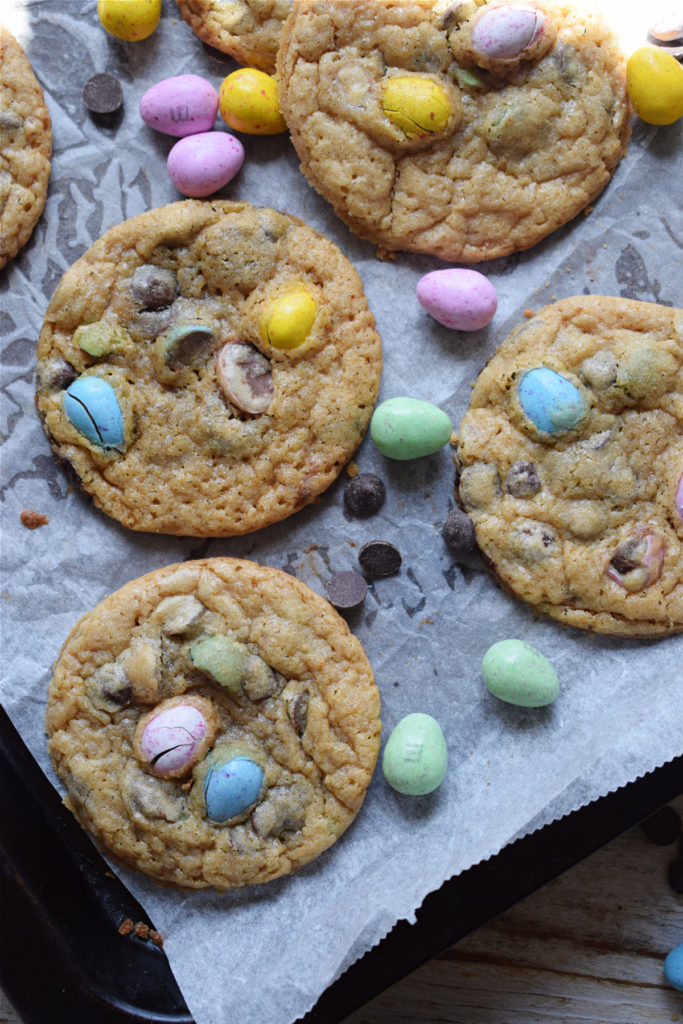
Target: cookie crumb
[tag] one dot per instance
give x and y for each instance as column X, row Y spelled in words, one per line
column 528, row 312
column 386, row 254
column 352, row 469
column 156, row 938
column 32, row 519
column 142, row 930
column 587, row 210
column 126, row 927
column 453, row 440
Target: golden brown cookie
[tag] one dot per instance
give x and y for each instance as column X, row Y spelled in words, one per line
column 469, row 130
column 249, row 30
column 25, row 148
column 571, row 465
column 215, row 723
column 207, row 368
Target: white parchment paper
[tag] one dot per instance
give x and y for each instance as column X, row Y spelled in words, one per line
column 266, row 954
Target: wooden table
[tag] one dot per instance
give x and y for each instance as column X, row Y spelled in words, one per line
column 586, row 949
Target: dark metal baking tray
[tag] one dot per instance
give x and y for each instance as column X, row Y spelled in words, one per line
column 62, row 958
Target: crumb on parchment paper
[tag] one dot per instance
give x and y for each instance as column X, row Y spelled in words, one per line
column 32, row 519
column 142, row 930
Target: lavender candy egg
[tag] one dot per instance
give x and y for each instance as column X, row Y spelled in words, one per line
column 503, row 33
column 180, row 106
column 200, row 165
column 463, row 300
column 170, row 740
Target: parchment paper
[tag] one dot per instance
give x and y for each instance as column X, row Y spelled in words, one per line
column 266, row 954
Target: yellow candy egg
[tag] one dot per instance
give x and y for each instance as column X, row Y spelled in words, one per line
column 654, row 79
column 248, row 103
column 129, row 19
column 418, row 106
column 288, row 321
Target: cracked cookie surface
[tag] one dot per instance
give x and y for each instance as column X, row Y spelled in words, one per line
column 205, row 667
column 249, row 30
column 207, row 368
column 423, row 141
column 25, row 148
column 571, row 465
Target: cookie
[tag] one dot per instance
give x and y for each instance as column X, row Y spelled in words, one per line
column 249, row 30
column 467, row 130
column 571, row 465
column 215, row 723
column 207, row 368
column 25, row 148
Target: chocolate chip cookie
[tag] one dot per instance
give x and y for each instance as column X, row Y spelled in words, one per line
column 249, row 30
column 469, row 130
column 215, row 723
column 571, row 465
column 25, row 148
column 207, row 368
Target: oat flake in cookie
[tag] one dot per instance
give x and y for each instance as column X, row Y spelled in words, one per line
column 249, row 30
column 25, row 148
column 215, row 723
column 207, row 368
column 469, row 130
column 571, row 465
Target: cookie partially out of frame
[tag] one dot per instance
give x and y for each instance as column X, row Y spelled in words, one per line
column 422, row 140
column 25, row 148
column 215, row 723
column 249, row 30
column 571, row 465
column 159, row 385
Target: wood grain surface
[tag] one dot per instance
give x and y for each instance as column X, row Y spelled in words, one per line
column 588, row 948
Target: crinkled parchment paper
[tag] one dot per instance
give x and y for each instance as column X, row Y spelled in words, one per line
column 266, row 954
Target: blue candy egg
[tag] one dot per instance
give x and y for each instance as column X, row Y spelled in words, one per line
column 230, row 787
column 92, row 407
column 551, row 402
column 673, row 968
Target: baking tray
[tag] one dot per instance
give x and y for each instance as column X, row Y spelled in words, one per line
column 62, row 905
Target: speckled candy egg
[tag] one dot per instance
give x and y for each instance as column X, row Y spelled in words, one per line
column 463, row 300
column 180, row 106
column 92, row 407
column 172, row 738
column 408, row 428
column 517, row 673
column 231, row 787
column 415, row 757
column 200, row 165
column 131, row 20
column 551, row 402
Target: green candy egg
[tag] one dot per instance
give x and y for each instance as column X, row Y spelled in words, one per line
column 415, row 756
column 517, row 673
column 408, row 428
column 221, row 658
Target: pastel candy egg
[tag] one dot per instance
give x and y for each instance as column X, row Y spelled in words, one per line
column 248, row 103
column 654, row 80
column 552, row 403
column 464, row 300
column 129, row 19
column 517, row 673
column 503, row 33
column 182, row 105
column 408, row 428
column 230, row 787
column 171, row 739
column 92, row 407
column 673, row 968
column 221, row 658
column 415, row 757
column 668, row 23
column 201, row 164
column 418, row 106
column 289, row 320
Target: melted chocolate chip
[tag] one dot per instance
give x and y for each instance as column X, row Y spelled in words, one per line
column 153, row 287
column 298, row 710
column 522, row 480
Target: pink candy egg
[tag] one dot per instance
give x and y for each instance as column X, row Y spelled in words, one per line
column 464, row 300
column 503, row 33
column 183, row 105
column 200, row 165
column 170, row 739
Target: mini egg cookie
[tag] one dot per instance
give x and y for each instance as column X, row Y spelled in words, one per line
column 207, row 368
column 215, row 723
column 571, row 465
column 469, row 130
column 249, row 30
column 25, row 148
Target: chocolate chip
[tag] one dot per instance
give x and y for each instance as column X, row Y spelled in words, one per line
column 458, row 531
column 364, row 495
column 57, row 374
column 522, row 480
column 346, row 589
column 663, row 827
column 379, row 558
column 102, row 94
column 298, row 711
column 626, row 557
column 153, row 287
column 245, row 377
